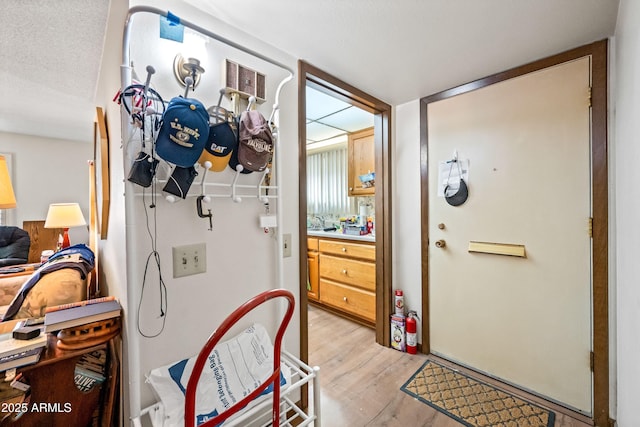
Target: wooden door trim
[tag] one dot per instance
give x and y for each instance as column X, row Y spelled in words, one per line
column 325, row 82
column 597, row 51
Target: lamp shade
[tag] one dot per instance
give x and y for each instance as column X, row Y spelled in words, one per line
column 7, row 198
column 64, row 215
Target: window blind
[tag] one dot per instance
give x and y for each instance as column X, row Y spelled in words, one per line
column 327, row 182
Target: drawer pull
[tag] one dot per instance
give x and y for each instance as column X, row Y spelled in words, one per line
column 344, row 272
column 344, row 299
column 344, row 249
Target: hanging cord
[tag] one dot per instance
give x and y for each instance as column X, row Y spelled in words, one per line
column 154, row 256
column 452, row 161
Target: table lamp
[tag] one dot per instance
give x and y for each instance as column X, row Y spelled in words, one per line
column 64, row 215
column 7, row 197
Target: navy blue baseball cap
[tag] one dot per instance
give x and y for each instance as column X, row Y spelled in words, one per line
column 184, row 132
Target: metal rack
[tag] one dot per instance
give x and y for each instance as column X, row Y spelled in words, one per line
column 278, row 408
column 236, row 192
column 125, row 78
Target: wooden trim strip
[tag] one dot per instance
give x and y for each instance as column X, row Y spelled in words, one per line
column 600, row 231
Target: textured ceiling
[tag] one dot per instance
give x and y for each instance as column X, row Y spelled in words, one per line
column 50, row 53
column 397, row 51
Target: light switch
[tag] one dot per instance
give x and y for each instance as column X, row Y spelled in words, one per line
column 189, row 259
column 286, row 242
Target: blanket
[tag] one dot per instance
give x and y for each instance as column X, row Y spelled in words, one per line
column 77, row 257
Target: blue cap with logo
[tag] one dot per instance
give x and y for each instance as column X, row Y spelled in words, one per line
column 184, row 132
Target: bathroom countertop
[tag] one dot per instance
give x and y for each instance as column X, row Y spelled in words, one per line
column 336, row 235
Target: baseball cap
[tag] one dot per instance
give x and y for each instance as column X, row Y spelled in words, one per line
column 180, row 181
column 255, row 144
column 220, row 145
column 184, row 132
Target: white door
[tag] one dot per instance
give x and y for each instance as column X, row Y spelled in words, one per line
column 526, row 320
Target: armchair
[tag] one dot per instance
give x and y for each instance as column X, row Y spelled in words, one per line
column 14, row 246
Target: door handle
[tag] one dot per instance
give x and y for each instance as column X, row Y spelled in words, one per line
column 440, row 243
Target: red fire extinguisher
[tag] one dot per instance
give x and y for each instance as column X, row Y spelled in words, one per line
column 412, row 336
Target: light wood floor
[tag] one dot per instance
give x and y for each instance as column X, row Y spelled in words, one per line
column 361, row 380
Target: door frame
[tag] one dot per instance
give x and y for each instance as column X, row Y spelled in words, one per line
column 599, row 189
column 337, row 88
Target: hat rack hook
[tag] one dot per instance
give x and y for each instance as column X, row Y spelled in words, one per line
column 216, row 111
column 263, row 197
column 273, row 114
column 150, row 71
column 207, row 165
column 252, row 103
column 189, row 81
column 234, row 196
column 169, row 197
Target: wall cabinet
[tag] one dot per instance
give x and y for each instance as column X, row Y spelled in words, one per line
column 362, row 160
column 347, row 278
column 313, row 290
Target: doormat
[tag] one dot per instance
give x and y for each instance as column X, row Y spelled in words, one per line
column 472, row 402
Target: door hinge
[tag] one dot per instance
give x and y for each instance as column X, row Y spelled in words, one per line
column 589, row 95
column 590, row 227
column 592, row 361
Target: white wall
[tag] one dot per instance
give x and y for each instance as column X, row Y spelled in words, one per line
column 626, row 152
column 241, row 258
column 407, row 254
column 45, row 171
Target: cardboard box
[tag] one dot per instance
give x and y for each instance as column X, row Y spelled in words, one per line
column 398, row 332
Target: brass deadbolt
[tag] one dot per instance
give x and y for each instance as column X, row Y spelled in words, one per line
column 441, row 244
column 441, row 226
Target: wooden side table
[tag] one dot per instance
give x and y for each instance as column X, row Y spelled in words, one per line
column 54, row 399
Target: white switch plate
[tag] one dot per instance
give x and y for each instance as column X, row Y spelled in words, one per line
column 286, row 242
column 189, row 259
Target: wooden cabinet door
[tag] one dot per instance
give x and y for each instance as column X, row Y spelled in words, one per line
column 313, row 291
column 362, row 160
